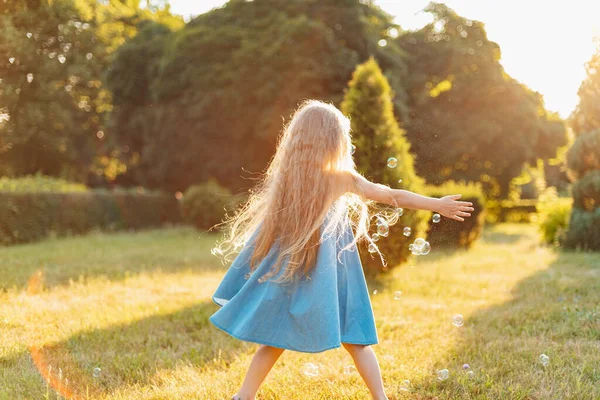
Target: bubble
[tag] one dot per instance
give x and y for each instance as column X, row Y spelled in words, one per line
column 464, row 34
column 479, row 43
column 393, row 32
column 470, row 374
column 30, row 77
column 425, row 249
column 436, row 218
column 310, row 370
column 383, row 230
column 372, row 248
column 338, row 27
column 419, row 242
column 397, row 295
column 352, row 149
column 405, row 385
column 382, row 43
column 62, row 58
column 411, row 247
column 11, row 60
column 349, row 369
column 375, row 291
column 178, row 195
column 399, row 210
column 392, row 162
column 247, row 276
column 471, row 51
column 458, row 320
column 96, row 372
column 399, row 180
column 29, row 35
column 544, row 360
column 469, row 22
column 89, row 56
column 375, row 237
column 100, row 134
column 407, row 231
column 443, row 374
column 466, row 366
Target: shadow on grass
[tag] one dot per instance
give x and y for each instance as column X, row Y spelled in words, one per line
column 113, row 256
column 127, row 354
column 554, row 312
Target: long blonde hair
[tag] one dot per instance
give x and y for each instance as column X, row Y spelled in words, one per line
column 300, row 188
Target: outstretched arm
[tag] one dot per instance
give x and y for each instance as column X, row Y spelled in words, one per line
column 448, row 206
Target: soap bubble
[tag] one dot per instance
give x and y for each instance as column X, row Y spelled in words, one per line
column 375, row 291
column 411, row 247
column 544, row 360
column 443, row 374
column 383, row 230
column 29, row 77
column 96, row 372
column 470, row 374
column 352, row 149
column 382, row 42
column 62, row 59
column 405, row 385
column 392, row 162
column 458, row 320
column 399, row 210
column 419, row 242
column 397, row 295
column 11, row 60
column 407, row 231
column 372, row 248
column 436, row 218
column 375, row 237
column 310, row 370
column 425, row 249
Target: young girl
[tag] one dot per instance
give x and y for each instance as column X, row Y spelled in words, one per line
column 297, row 282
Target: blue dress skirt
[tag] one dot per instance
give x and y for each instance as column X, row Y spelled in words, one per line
column 308, row 315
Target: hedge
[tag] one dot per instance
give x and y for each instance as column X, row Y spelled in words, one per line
column 553, row 219
column 29, row 216
column 204, row 205
column 510, row 210
column 451, row 233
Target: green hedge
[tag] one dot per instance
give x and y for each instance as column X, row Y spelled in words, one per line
column 453, row 233
column 39, row 183
column 553, row 219
column 584, row 232
column 26, row 216
column 204, row 205
column 510, row 210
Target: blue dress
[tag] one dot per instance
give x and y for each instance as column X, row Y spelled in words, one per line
column 308, row 315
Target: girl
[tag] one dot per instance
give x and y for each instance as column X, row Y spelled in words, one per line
column 297, row 282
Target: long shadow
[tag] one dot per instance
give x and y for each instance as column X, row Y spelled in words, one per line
column 113, row 256
column 554, row 312
column 126, row 354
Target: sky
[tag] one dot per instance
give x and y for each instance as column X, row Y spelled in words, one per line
column 544, row 43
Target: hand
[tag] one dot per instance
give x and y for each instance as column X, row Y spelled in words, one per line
column 451, row 208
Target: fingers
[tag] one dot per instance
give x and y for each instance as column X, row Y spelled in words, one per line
column 455, row 196
column 463, row 214
column 464, row 203
column 466, row 209
column 456, row 217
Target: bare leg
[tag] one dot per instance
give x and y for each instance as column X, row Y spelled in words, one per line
column 368, row 367
column 261, row 364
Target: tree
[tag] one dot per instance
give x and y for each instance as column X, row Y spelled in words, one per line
column 217, row 90
column 377, row 137
column 586, row 116
column 469, row 120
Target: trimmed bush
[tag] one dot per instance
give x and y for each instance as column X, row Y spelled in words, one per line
column 39, row 183
column 553, row 218
column 510, row 210
column 453, row 233
column 377, row 136
column 204, row 205
column 27, row 217
column 584, row 230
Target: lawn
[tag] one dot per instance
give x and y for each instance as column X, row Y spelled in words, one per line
column 135, row 305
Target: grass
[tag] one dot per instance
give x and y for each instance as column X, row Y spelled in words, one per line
column 136, row 306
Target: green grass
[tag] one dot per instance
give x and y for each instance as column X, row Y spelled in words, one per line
column 136, row 306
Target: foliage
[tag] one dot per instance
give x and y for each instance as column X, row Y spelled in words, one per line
column 469, row 120
column 510, row 210
column 217, row 90
column 52, row 99
column 553, row 217
column 453, row 233
column 377, row 137
column 586, row 117
column 204, row 205
column 584, row 154
column 584, row 230
column 39, row 183
column 31, row 216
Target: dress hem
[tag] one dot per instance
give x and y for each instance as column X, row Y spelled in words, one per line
column 264, row 342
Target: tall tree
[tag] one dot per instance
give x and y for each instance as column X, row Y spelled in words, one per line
column 378, row 138
column 469, row 119
column 216, row 91
column 586, row 116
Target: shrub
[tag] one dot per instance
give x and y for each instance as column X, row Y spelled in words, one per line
column 30, row 216
column 453, row 233
column 510, row 210
column 39, row 183
column 377, row 136
column 584, row 230
column 204, row 205
column 553, row 217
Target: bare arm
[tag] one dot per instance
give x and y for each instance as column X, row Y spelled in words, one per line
column 448, row 206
